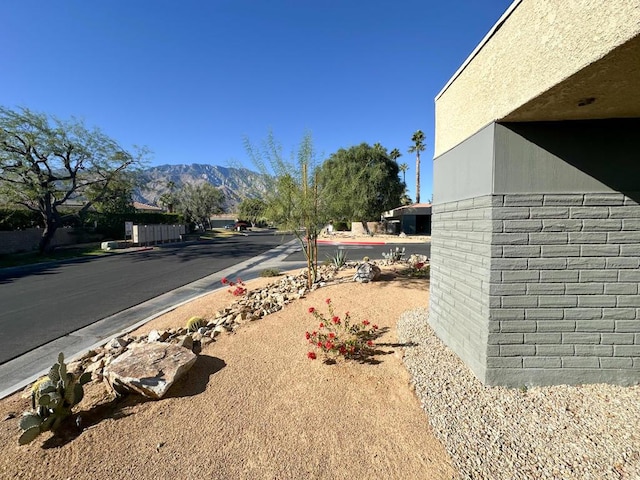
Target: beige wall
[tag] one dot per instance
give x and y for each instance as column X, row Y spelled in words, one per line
column 540, row 44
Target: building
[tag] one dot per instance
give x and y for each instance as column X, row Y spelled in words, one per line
column 409, row 219
column 536, row 211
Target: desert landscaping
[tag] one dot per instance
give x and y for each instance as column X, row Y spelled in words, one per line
column 255, row 406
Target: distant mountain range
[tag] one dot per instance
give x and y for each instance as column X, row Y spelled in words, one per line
column 235, row 183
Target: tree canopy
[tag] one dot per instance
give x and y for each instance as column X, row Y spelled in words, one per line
column 47, row 163
column 252, row 209
column 359, row 183
column 198, row 202
column 292, row 200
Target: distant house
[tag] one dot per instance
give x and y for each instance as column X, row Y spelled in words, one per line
column 220, row 221
column 410, row 219
column 143, row 207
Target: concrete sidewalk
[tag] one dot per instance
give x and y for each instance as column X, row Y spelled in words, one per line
column 20, row 372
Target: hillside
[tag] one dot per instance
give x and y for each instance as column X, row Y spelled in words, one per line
column 236, row 183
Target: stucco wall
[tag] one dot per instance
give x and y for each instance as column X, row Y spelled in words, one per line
column 540, row 44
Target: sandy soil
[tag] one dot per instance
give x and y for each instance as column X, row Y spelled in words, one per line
column 254, row 406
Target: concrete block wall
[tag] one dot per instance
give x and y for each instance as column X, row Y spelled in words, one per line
column 564, row 297
column 460, row 277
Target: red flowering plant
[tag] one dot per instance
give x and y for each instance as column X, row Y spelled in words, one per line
column 340, row 337
column 419, row 269
column 237, row 288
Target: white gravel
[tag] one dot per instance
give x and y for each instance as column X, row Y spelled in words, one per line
column 560, row 432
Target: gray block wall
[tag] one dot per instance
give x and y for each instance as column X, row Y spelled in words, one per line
column 535, row 276
column 532, row 289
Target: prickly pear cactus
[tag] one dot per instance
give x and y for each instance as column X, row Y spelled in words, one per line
column 52, row 398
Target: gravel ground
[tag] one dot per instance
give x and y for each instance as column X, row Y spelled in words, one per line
column 559, row 432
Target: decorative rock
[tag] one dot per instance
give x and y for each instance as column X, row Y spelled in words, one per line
column 186, row 341
column 366, row 272
column 157, row 336
column 149, row 369
column 117, row 343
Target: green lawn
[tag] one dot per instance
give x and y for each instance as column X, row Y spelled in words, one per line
column 19, row 259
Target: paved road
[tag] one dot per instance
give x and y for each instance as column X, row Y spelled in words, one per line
column 43, row 303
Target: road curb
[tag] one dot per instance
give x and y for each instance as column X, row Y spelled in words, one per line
column 16, row 374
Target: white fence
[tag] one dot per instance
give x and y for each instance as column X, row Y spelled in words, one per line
column 152, row 234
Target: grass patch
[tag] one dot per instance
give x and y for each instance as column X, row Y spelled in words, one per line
column 31, row 258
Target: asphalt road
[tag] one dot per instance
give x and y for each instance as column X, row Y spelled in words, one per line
column 42, row 303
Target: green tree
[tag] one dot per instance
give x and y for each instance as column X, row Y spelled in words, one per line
column 168, row 199
column 403, row 167
column 196, row 203
column 252, row 209
column 395, row 154
column 292, row 200
column 359, row 183
column 47, row 163
column 418, row 146
column 117, row 196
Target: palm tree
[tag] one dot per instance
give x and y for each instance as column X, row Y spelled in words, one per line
column 395, row 154
column 403, row 167
column 418, row 146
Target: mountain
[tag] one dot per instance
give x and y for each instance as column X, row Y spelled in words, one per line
column 235, row 183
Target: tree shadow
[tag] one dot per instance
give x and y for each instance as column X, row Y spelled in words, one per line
column 192, row 383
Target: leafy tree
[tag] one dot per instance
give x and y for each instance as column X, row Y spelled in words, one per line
column 198, row 202
column 117, row 196
column 168, row 199
column 252, row 209
column 292, row 200
column 47, row 163
column 360, row 183
column 417, row 147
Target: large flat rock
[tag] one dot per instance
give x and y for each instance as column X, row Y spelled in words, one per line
column 149, row 369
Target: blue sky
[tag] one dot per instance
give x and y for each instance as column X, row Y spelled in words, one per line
column 191, row 79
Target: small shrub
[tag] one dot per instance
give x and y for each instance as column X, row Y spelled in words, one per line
column 237, row 288
column 339, row 259
column 194, row 323
column 270, row 272
column 419, row 270
column 52, row 398
column 340, row 337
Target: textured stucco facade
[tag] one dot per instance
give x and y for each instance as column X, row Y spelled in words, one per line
column 536, row 214
column 544, row 47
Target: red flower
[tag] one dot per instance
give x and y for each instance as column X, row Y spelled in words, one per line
column 365, row 322
column 343, row 350
column 319, row 344
column 328, row 345
column 307, row 335
column 419, row 265
column 321, row 325
column 332, row 335
column 336, row 320
column 328, row 300
column 370, row 343
column 311, row 355
column 375, row 327
column 311, row 309
column 224, row 281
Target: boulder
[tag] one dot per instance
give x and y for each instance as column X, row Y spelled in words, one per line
column 366, row 272
column 149, row 369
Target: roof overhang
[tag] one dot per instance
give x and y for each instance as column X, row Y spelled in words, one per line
column 546, row 61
